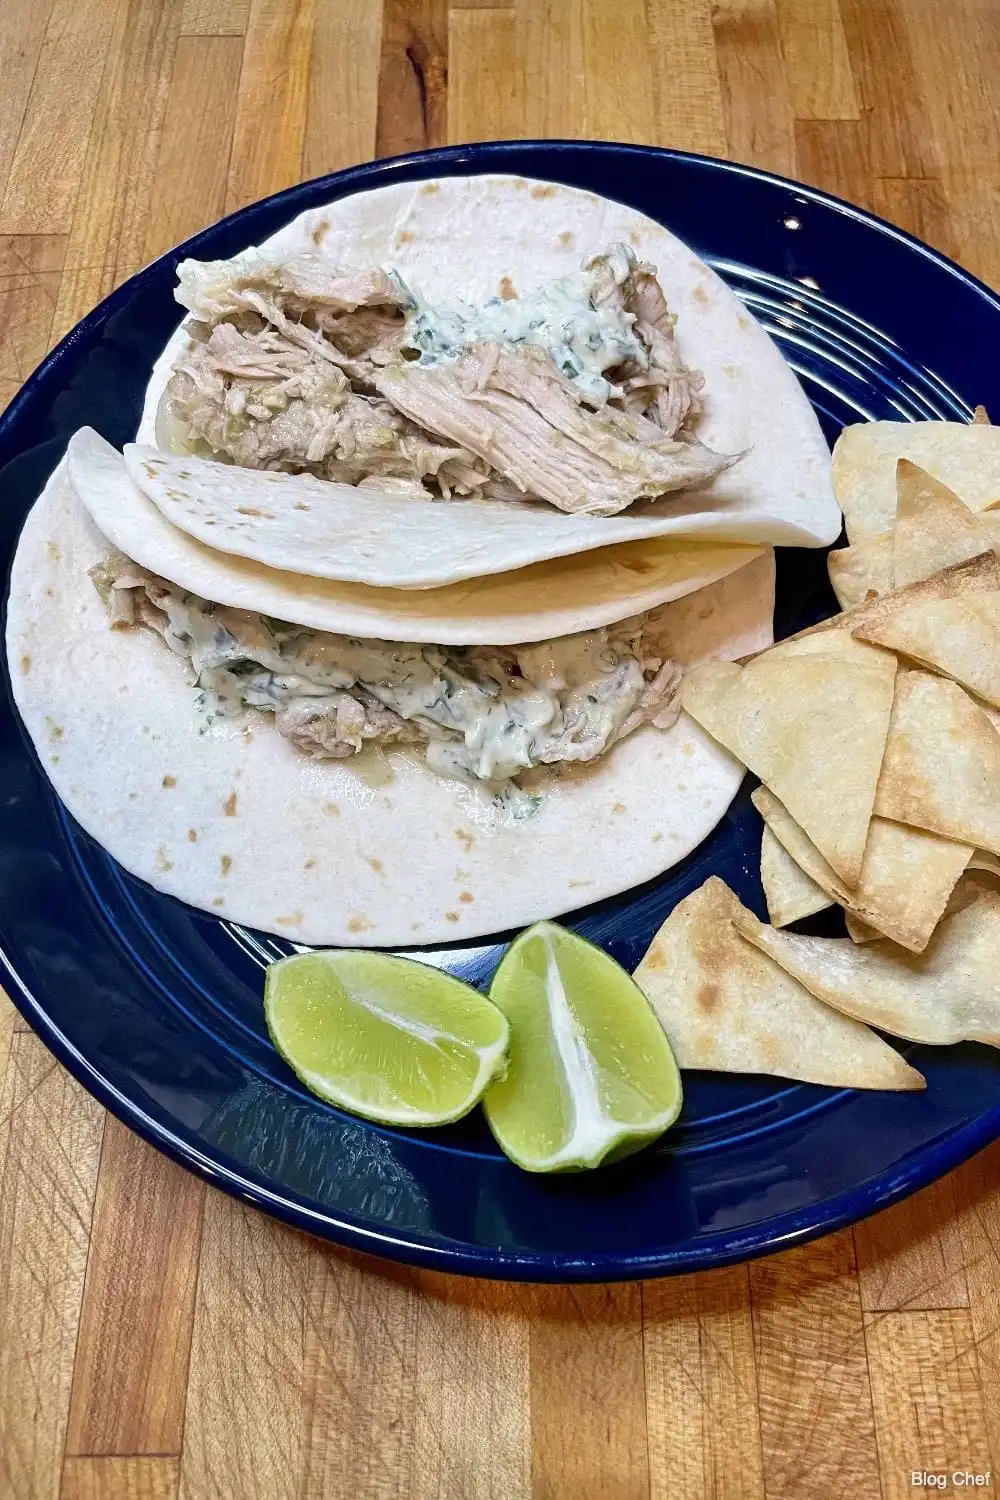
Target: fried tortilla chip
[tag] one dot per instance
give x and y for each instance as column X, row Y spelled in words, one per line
column 906, row 878
column 862, row 571
column 942, row 763
column 810, row 718
column 858, row 931
column 933, row 530
column 791, row 894
column 959, row 638
column 980, row 417
column 949, row 993
column 963, row 456
column 725, row 1006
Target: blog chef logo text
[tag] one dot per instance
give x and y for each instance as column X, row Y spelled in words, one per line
column 957, row 1479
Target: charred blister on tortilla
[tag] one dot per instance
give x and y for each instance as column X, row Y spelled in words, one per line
column 573, row 392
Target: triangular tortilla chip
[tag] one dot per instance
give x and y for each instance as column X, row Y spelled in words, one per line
column 933, row 530
column 949, row 993
column 790, row 893
column 861, row 571
column 964, row 457
column 980, row 417
column 906, row 878
column 810, row 719
column 960, row 638
column 726, row 1007
column 942, row 763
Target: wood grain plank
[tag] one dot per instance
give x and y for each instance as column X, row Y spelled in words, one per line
column 686, row 89
column 473, row 1424
column 817, row 1425
column 977, row 1197
column 30, row 271
column 928, row 1400
column 910, row 1256
column 586, row 1347
column 546, row 93
column 413, row 76
column 759, row 120
column 919, row 205
column 7, row 1017
column 830, row 155
column 485, row 73
column 48, row 163
column 21, row 37
column 131, row 1365
column 120, row 1479
column 701, row 1388
column 50, row 1141
column 107, row 240
column 193, row 163
column 214, row 17
column 899, row 132
column 270, row 126
column 618, row 43
column 244, row 1421
column 817, row 64
column 343, row 87
column 359, row 1378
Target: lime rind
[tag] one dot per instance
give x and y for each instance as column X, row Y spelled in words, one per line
column 331, row 1017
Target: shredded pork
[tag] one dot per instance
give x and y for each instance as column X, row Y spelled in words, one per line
column 304, row 367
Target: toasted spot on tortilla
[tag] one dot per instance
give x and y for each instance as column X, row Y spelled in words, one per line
column 452, row 916
column 635, row 238
column 25, row 663
column 466, row 896
column 638, row 565
column 229, row 806
column 657, row 837
column 251, row 510
column 56, row 731
column 543, row 190
column 184, row 473
column 706, row 998
column 575, row 885
column 51, row 593
column 656, row 958
column 619, row 807
column 465, row 838
column 226, row 863
column 331, row 809
column 218, row 901
column 404, row 237
column 52, row 550
column 192, row 835
column 359, row 924
column 566, row 238
column 318, row 231
column 743, row 321
column 700, row 295
column 300, row 505
column 461, row 874
column 507, row 289
column 519, row 184
column 163, row 860
column 376, row 864
column 430, row 187
column 56, row 759
column 416, row 926
column 731, row 372
column 291, row 921
column 310, row 863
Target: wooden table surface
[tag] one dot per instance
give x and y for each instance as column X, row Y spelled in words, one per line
column 157, row 1338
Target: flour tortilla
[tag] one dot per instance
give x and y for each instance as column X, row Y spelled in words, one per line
column 537, row 603
column 456, row 237
column 235, row 821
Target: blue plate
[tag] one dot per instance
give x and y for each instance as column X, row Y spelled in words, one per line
column 156, row 1008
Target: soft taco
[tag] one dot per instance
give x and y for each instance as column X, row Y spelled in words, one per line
column 497, row 339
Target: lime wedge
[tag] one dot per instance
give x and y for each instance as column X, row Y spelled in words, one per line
column 388, row 1038
column 591, row 1076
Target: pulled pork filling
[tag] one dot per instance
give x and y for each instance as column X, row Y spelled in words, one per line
column 483, row 713
column 574, row 393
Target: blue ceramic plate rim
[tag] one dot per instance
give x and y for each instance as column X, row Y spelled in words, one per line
column 913, row 1171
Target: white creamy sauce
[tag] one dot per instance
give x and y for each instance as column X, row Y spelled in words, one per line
column 486, row 714
column 560, row 317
